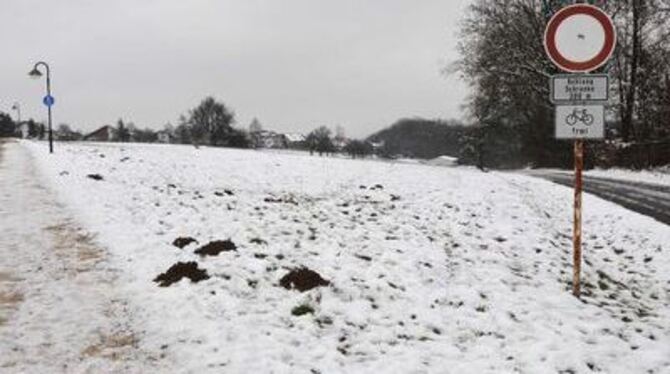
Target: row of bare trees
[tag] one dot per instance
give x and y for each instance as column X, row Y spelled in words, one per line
column 503, row 59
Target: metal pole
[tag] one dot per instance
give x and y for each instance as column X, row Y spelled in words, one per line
column 17, row 107
column 36, row 73
column 51, row 138
column 577, row 228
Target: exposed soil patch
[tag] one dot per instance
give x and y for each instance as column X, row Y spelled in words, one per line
column 10, row 298
column 363, row 257
column 216, row 247
column 70, row 240
column 95, row 177
column 112, row 346
column 258, row 241
column 281, row 200
column 6, row 277
column 180, row 271
column 224, row 193
column 301, row 310
column 183, row 241
column 303, row 280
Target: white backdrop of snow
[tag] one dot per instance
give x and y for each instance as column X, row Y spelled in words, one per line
column 469, row 272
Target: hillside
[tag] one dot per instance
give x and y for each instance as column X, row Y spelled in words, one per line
column 421, row 138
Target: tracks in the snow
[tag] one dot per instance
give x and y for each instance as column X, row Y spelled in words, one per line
column 61, row 309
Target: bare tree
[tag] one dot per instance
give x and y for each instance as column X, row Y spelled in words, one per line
column 210, row 122
column 255, row 126
column 320, row 140
column 504, row 61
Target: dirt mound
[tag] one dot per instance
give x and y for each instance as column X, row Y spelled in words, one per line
column 281, row 200
column 303, row 280
column 224, row 193
column 301, row 310
column 95, row 177
column 258, row 241
column 180, row 271
column 182, row 242
column 216, row 247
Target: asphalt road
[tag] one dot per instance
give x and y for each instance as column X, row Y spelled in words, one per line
column 649, row 199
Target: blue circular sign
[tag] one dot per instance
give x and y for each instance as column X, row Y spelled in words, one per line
column 49, row 100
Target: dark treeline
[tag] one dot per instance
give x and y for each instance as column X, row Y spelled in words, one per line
column 420, row 138
column 504, row 61
column 10, row 128
column 7, row 126
column 209, row 123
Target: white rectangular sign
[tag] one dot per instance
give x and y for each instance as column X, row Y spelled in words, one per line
column 572, row 89
column 580, row 122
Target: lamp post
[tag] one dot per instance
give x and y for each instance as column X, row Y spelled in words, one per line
column 48, row 99
column 17, row 108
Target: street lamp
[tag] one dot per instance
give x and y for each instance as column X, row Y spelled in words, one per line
column 48, row 99
column 17, row 108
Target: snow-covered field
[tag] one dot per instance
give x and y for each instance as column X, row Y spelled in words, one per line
column 430, row 269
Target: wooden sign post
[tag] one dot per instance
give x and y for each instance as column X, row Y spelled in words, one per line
column 577, row 223
column 579, row 39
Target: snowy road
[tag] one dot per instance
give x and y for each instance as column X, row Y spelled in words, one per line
column 59, row 309
column 649, row 199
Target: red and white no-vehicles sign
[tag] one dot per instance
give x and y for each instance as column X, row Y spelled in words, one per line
column 580, row 38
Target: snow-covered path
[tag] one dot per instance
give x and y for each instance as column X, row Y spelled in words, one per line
column 59, row 309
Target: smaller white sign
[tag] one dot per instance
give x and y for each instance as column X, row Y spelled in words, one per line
column 572, row 89
column 580, row 122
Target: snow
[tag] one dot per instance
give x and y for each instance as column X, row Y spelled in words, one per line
column 443, row 161
column 660, row 175
column 469, row 272
column 294, row 138
column 59, row 308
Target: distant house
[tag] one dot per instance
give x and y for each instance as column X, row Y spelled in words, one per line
column 103, row 134
column 24, row 130
column 268, row 139
column 295, row 141
column 164, row 137
column 66, row 134
column 377, row 146
column 340, row 143
column 444, row 161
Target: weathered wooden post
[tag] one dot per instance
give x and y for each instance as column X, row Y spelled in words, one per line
column 579, row 39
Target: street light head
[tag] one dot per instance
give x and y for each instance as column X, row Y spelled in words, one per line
column 35, row 74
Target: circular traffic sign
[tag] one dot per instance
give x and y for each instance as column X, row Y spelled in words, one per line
column 580, row 38
column 49, row 100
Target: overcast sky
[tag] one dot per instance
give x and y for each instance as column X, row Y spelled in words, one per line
column 294, row 64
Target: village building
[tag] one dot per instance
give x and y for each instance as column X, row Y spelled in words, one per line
column 24, row 130
column 103, row 134
column 268, row 139
column 164, row 137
